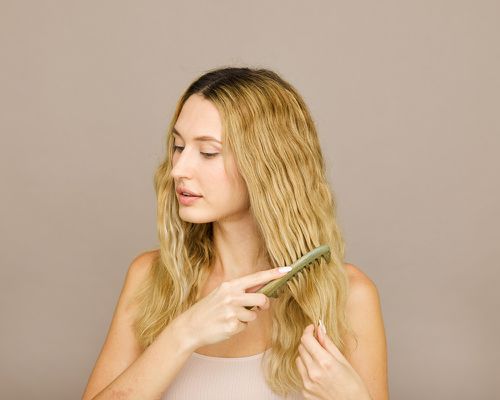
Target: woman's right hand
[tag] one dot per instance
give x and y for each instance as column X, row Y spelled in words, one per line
column 222, row 313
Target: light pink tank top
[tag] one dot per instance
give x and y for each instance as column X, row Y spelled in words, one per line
column 220, row 378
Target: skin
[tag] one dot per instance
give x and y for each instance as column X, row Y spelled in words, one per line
column 225, row 200
column 199, row 166
column 362, row 373
column 325, row 372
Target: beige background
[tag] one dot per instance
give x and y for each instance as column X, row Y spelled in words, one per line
column 406, row 99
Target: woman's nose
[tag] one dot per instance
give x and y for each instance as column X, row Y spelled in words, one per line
column 182, row 167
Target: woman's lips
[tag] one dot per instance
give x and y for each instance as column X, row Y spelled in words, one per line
column 187, row 200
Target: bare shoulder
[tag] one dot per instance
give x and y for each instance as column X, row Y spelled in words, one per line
column 367, row 353
column 361, row 286
column 120, row 346
column 141, row 265
column 137, row 272
column 363, row 306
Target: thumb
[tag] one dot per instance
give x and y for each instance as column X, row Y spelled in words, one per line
column 329, row 345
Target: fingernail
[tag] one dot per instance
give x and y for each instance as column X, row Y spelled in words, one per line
column 284, row 269
column 322, row 327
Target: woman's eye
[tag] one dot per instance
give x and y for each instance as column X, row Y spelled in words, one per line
column 206, row 155
column 210, row 155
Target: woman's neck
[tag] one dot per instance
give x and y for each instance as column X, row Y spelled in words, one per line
column 239, row 249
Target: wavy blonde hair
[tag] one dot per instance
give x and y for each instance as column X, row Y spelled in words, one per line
column 269, row 129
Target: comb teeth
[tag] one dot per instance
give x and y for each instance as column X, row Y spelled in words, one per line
column 272, row 288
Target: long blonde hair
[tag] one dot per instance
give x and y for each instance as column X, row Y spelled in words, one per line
column 269, row 129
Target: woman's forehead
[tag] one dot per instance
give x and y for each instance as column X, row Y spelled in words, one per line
column 198, row 118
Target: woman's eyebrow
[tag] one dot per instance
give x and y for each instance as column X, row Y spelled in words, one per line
column 199, row 138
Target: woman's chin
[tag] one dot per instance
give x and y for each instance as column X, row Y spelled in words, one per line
column 194, row 219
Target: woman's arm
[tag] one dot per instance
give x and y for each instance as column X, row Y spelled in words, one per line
column 369, row 358
column 151, row 374
column 122, row 369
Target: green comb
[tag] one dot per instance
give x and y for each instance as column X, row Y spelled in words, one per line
column 271, row 288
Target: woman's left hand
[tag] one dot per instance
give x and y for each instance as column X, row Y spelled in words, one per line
column 325, row 372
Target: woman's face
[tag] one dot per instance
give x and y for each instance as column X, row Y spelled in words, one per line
column 198, row 166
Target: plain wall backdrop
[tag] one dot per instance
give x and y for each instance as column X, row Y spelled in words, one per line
column 406, row 99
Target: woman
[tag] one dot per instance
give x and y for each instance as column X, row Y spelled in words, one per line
column 242, row 191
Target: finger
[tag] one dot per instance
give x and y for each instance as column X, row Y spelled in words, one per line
column 251, row 300
column 328, row 344
column 242, row 325
column 306, row 359
column 258, row 278
column 245, row 315
column 255, row 288
column 266, row 305
column 331, row 347
column 315, row 350
column 302, row 370
column 319, row 336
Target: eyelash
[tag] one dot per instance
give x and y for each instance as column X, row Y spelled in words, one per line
column 207, row 155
